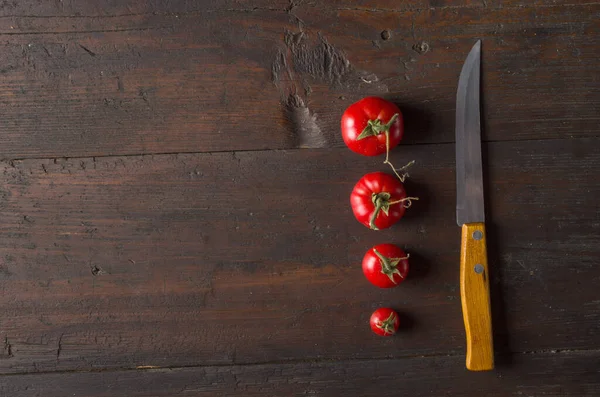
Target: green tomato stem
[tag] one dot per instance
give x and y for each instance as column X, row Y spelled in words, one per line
column 378, row 207
column 381, row 202
column 389, row 265
column 375, row 127
column 387, row 325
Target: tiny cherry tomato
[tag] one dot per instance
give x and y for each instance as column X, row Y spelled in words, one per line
column 379, row 200
column 385, row 265
column 372, row 126
column 384, row 321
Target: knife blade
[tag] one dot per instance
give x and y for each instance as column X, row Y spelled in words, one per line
column 470, row 215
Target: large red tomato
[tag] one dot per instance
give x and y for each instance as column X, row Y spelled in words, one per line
column 372, row 126
column 384, row 321
column 379, row 200
column 385, row 265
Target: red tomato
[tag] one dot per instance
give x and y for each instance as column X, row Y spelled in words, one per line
column 372, row 126
column 385, row 265
column 379, row 200
column 384, row 321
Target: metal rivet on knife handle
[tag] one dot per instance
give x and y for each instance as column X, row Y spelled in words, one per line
column 479, row 268
column 477, row 235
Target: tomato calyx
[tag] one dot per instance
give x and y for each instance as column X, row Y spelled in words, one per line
column 376, row 127
column 387, row 325
column 382, row 202
column 389, row 266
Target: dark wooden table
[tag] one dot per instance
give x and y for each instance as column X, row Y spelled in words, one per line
column 174, row 214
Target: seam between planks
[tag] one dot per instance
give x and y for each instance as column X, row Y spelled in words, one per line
column 258, row 9
column 87, row 31
column 100, row 156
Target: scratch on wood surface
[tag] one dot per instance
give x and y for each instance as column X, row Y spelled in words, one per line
column 322, row 61
column 7, row 353
column 532, row 273
column 290, row 11
column 318, row 60
column 279, row 64
column 59, row 347
column 303, row 62
column 92, row 53
column 307, row 133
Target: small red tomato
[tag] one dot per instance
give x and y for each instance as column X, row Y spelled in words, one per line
column 385, row 265
column 379, row 200
column 384, row 321
column 372, row 126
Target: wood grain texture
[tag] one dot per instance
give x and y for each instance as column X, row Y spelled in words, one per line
column 111, row 78
column 543, row 374
column 254, row 257
column 233, row 266
column 475, row 297
column 108, row 8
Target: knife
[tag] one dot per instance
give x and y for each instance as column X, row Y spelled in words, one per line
column 474, row 274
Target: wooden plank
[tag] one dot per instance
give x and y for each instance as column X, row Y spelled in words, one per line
column 485, row 5
column 253, row 257
column 548, row 374
column 146, row 80
column 107, row 8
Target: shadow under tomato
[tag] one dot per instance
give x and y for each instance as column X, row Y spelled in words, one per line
column 407, row 322
column 419, row 266
column 417, row 122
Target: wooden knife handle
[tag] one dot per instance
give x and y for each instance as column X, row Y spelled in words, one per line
column 475, row 297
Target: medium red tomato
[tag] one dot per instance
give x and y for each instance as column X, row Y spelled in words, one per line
column 379, row 200
column 384, row 321
column 372, row 126
column 385, row 265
